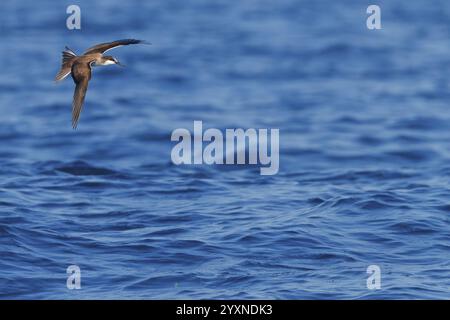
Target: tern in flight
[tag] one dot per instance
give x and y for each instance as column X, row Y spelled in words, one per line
column 80, row 68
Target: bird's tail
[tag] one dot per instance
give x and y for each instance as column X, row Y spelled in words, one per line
column 68, row 56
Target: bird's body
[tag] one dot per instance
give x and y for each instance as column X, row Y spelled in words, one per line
column 80, row 69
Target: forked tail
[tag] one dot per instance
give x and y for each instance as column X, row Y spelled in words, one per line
column 68, row 56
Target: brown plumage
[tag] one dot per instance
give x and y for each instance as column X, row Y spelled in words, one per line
column 80, row 69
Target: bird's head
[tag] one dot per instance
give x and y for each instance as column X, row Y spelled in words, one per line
column 107, row 60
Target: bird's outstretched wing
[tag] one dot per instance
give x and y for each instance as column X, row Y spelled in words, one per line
column 81, row 74
column 103, row 47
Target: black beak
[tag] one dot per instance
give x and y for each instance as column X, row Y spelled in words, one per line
column 119, row 64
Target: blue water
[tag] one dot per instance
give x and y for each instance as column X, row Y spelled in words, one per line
column 364, row 158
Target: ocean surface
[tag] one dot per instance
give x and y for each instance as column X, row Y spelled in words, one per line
column 364, row 173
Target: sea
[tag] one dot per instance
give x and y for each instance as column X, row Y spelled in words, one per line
column 360, row 205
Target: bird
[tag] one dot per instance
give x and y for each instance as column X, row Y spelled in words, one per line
column 80, row 67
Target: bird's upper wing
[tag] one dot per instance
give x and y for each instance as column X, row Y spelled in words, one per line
column 103, row 47
column 81, row 73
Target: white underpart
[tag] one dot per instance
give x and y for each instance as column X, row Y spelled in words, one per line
column 105, row 63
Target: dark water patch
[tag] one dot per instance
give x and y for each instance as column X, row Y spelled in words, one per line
column 413, row 155
column 234, row 280
column 152, row 136
column 8, row 135
column 348, row 120
column 7, row 204
column 302, row 152
column 179, row 191
column 97, row 184
column 176, row 218
column 370, row 140
column 168, row 232
column 81, row 168
column 388, row 198
column 445, row 208
column 316, row 201
column 362, row 175
column 336, row 49
column 413, row 228
column 403, row 138
column 421, row 124
column 373, row 205
column 413, row 186
column 331, row 257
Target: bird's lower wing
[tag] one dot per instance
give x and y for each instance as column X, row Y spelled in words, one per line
column 78, row 100
column 63, row 73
